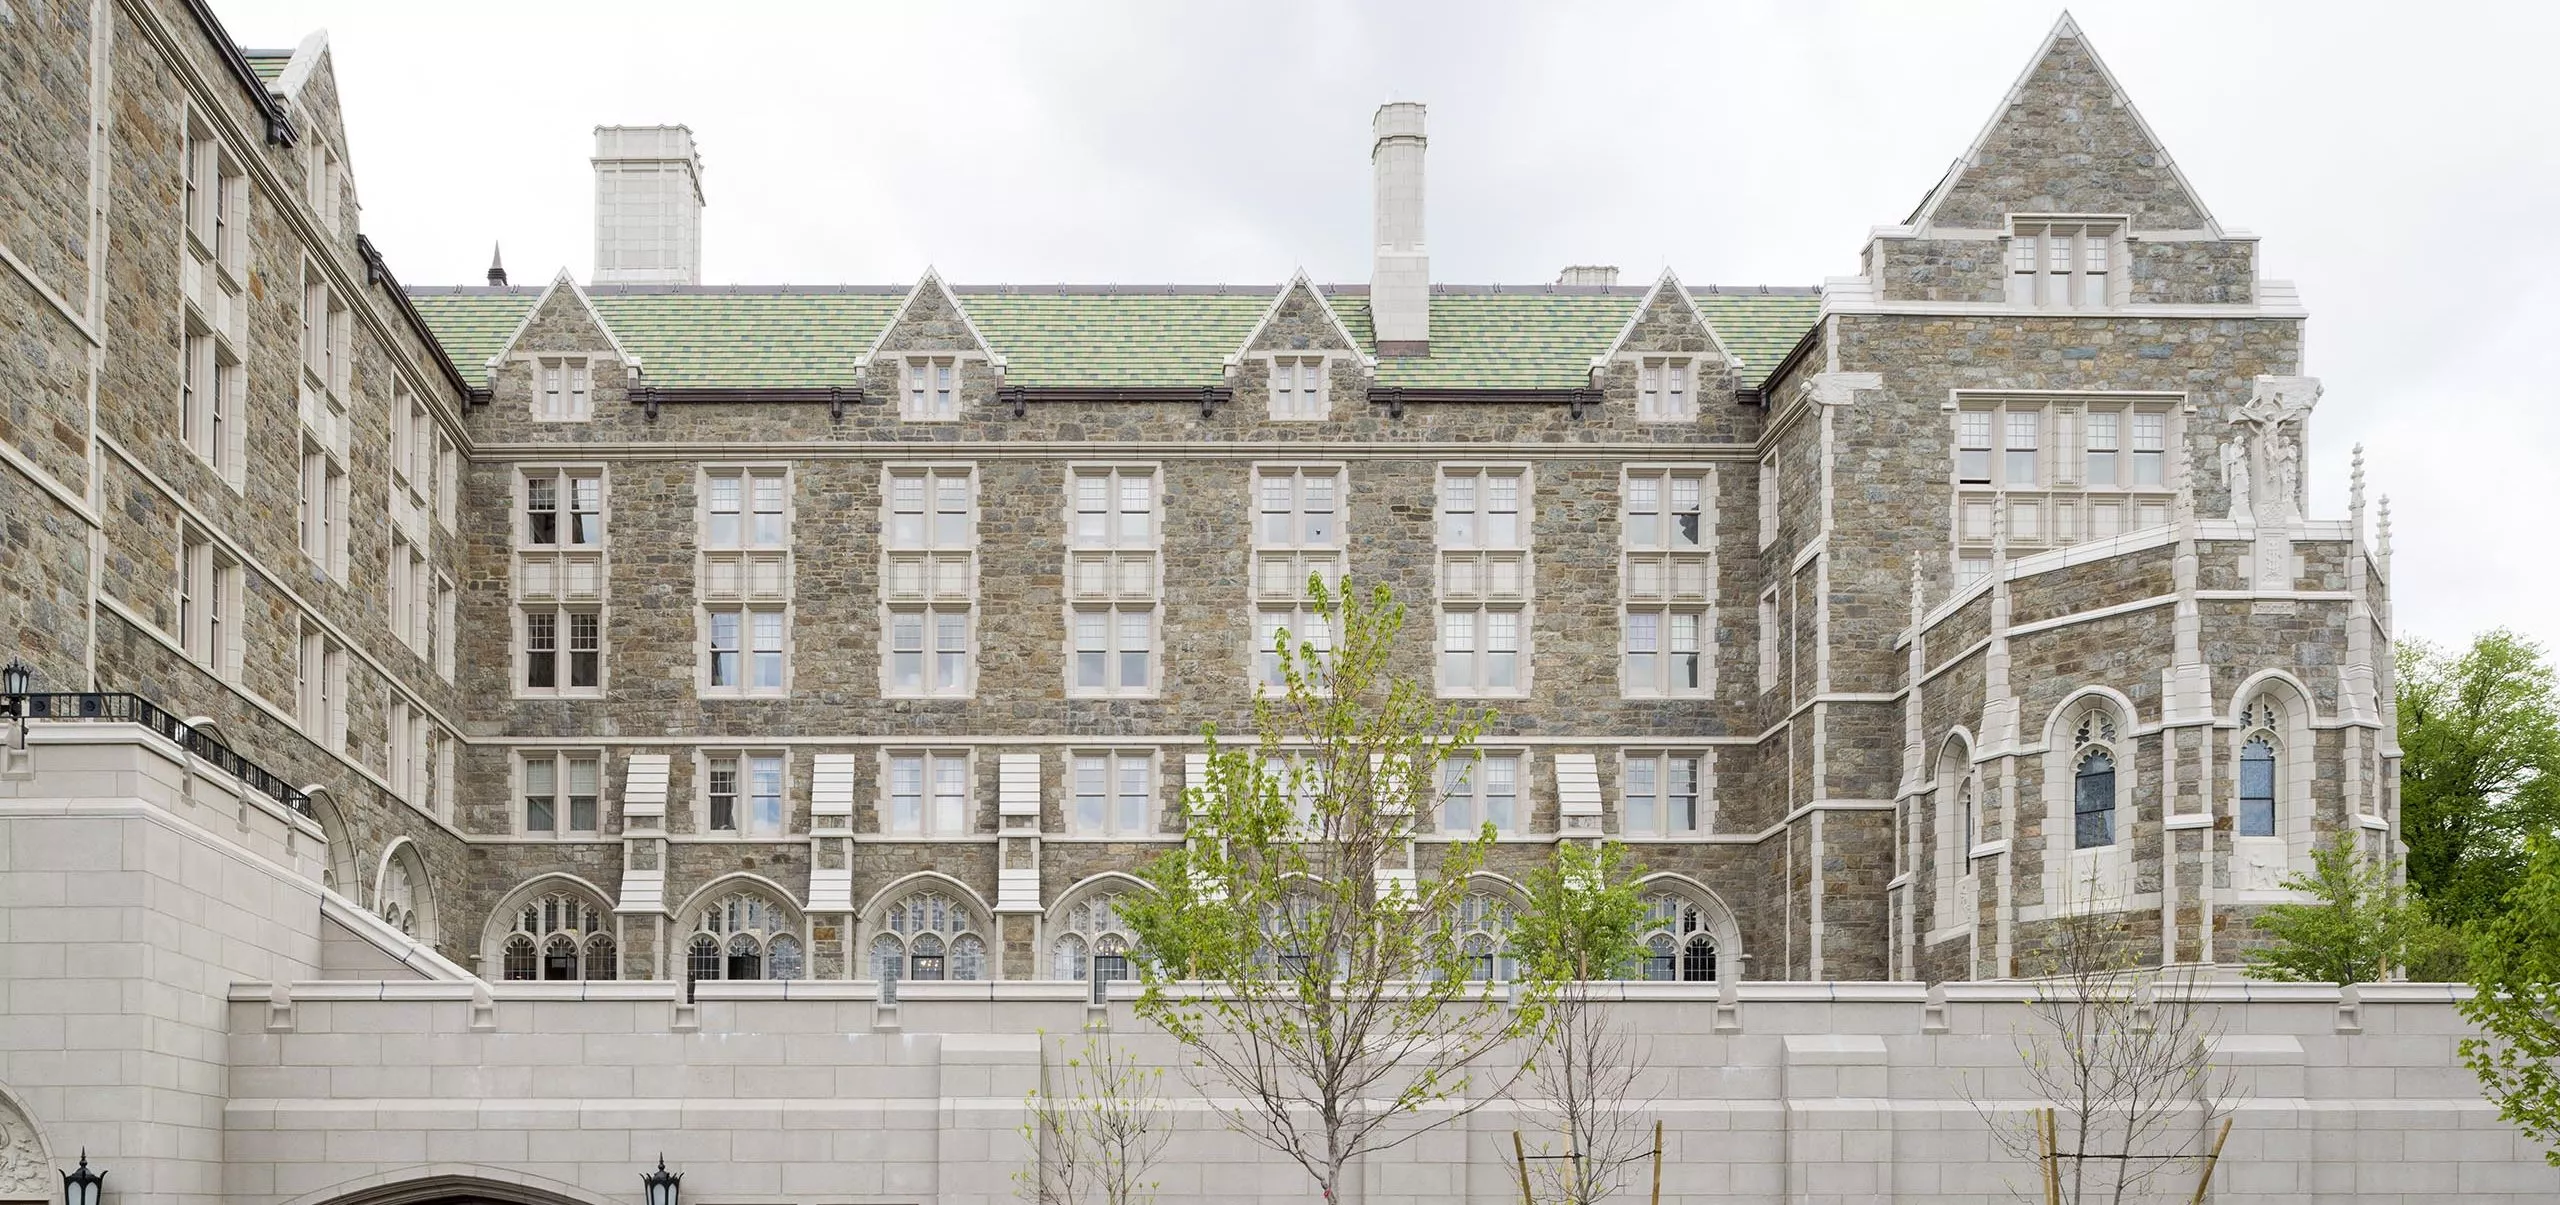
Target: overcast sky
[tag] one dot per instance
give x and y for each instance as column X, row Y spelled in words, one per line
column 2402, row 164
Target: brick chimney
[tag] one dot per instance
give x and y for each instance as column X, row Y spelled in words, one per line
column 648, row 206
column 1400, row 278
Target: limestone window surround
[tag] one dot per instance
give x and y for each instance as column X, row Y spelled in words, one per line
column 2071, row 469
column 746, row 934
column 744, row 581
column 744, row 793
column 559, row 793
column 564, row 389
column 1667, row 389
column 1955, row 834
column 929, row 389
column 1768, row 640
column 322, row 504
column 440, row 637
column 1111, row 793
column 1485, row 520
column 1299, row 388
column 1485, row 919
column 561, row 934
column 1666, row 793
column 409, row 603
column 420, row 759
column 213, row 274
column 2067, row 261
column 930, row 935
column 2270, row 790
column 927, row 793
column 928, row 582
column 448, row 478
column 1769, row 499
column 397, row 890
column 1114, row 572
column 2089, row 775
column 320, row 688
column 1485, row 787
column 1090, row 938
column 562, row 516
column 1680, row 942
column 1667, row 579
column 208, row 605
column 324, row 184
column 1298, row 537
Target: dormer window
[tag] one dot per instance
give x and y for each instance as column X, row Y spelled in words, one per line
column 933, row 389
column 2063, row 264
column 564, row 390
column 1297, row 387
column 1666, row 389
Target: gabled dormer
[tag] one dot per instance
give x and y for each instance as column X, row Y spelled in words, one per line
column 1299, row 355
column 1668, row 353
column 561, row 358
column 932, row 357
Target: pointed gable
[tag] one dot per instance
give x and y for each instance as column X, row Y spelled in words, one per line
column 1299, row 320
column 1667, row 320
column 931, row 319
column 562, row 320
column 2065, row 140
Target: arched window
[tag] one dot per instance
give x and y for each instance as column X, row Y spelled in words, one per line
column 559, row 935
column 1288, row 925
column 395, row 898
column 1484, row 937
column 2257, row 816
column 1093, row 941
column 743, row 935
column 929, row 936
column 2093, row 782
column 1678, row 947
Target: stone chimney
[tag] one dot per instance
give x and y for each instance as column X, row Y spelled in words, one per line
column 648, row 206
column 1601, row 275
column 1400, row 280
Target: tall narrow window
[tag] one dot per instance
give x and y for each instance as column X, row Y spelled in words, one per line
column 1666, row 571
column 1484, row 579
column 2094, row 800
column 321, row 686
column 1297, row 538
column 2019, row 469
column 929, row 582
column 559, row 580
column 1769, row 492
column 2258, row 787
column 208, row 604
column 1113, row 580
column 1297, row 387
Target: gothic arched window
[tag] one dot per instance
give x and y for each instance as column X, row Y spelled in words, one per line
column 2093, row 782
column 559, row 935
column 1093, row 941
column 743, row 935
column 1678, row 948
column 2257, row 813
column 1484, row 937
column 396, row 896
column 929, row 936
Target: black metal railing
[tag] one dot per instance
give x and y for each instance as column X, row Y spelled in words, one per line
column 134, row 709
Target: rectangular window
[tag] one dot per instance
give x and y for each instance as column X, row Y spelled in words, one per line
column 929, row 795
column 322, row 504
column 1479, row 651
column 321, row 687
column 562, row 794
column 209, row 605
column 563, row 650
column 442, row 636
column 1663, row 795
column 1769, row 640
column 559, row 579
column 1665, row 389
column 2062, row 264
column 1667, row 571
column 743, row 794
column 1484, row 578
column 1297, row 538
column 746, row 650
column 1114, row 650
column 746, row 508
column 933, row 389
column 1769, row 499
column 448, row 484
column 1112, row 580
column 2069, row 469
column 1478, row 790
column 1114, row 794
column 928, row 582
column 1298, row 387
column 328, row 326
column 564, row 389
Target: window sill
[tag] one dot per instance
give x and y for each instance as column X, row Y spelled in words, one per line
column 2181, row 823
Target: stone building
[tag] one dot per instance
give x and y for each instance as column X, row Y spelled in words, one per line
column 645, row 630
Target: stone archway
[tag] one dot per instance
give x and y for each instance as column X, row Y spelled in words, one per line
column 452, row 1184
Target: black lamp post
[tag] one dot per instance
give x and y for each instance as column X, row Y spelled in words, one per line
column 15, row 681
column 657, row 1187
column 81, row 1187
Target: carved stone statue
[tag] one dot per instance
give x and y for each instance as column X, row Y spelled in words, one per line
column 2288, row 500
column 2265, row 472
column 24, row 1170
column 2235, row 475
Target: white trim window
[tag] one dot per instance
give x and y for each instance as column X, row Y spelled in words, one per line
column 929, row 582
column 448, row 478
column 328, row 330
column 2071, row 470
column 1092, row 940
column 414, row 439
column 1769, row 640
column 324, row 183
column 746, row 651
column 563, row 389
column 1484, row 580
column 559, row 580
column 927, row 794
column 409, row 602
column 745, row 794
column 213, row 277
column 209, row 605
column 320, row 688
column 416, row 759
column 931, row 389
column 321, row 505
column 559, row 793
column 1667, row 529
column 1666, row 389
column 1298, row 388
column 1769, row 488
column 1478, row 789
column 440, row 638
column 745, row 574
column 2064, row 264
column 1297, row 536
column 744, row 935
column 1112, row 793
column 1113, row 577
column 1666, row 794
column 929, row 936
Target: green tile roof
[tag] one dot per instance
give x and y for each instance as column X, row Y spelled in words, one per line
column 1115, row 340
column 747, row 340
column 767, row 338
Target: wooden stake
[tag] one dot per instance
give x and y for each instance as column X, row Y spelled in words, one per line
column 2212, row 1157
column 2049, row 1142
column 1657, row 1161
column 1520, row 1155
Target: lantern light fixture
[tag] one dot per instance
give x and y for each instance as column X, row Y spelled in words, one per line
column 657, row 1188
column 80, row 1187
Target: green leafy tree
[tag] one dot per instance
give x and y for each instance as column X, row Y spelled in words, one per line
column 1296, row 950
column 2358, row 926
column 2515, row 969
column 1581, row 922
column 2480, row 768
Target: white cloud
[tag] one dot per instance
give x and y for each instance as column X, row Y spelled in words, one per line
column 2400, row 169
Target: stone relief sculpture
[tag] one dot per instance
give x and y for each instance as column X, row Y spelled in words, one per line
column 2260, row 866
column 24, row 1170
column 2264, row 469
column 2235, row 477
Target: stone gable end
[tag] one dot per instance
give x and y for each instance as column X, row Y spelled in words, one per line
column 1670, row 324
column 564, row 323
column 2069, row 142
column 1301, row 323
column 932, row 321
